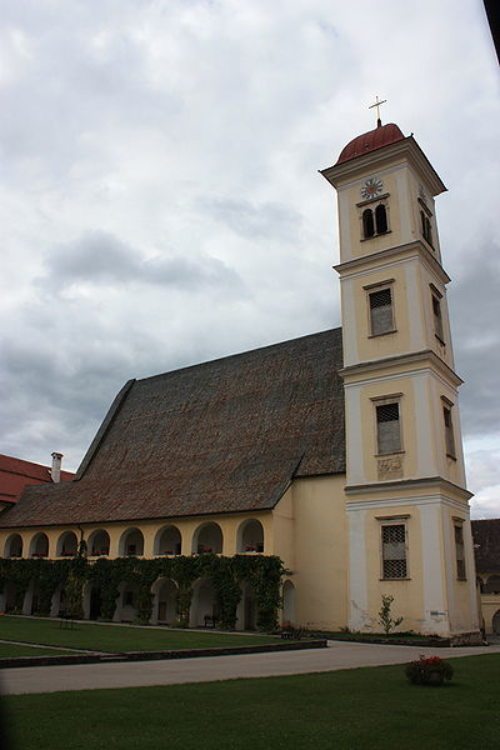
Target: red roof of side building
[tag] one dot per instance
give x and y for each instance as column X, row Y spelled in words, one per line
column 382, row 136
column 16, row 474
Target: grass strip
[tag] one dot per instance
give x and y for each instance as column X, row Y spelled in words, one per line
column 8, row 650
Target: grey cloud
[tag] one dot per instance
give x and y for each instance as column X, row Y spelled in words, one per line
column 101, row 258
column 253, row 220
column 475, row 315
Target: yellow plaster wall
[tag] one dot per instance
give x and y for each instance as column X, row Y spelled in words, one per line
column 450, row 468
column 414, row 183
column 462, row 600
column 283, row 530
column 321, row 552
column 443, row 351
column 351, row 195
column 407, row 593
column 391, row 344
column 403, row 385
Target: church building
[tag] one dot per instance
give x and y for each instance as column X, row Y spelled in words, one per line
column 340, row 452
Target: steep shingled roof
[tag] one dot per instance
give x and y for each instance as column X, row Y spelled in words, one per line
column 486, row 535
column 221, row 437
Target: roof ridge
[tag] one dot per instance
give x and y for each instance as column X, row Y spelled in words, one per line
column 239, row 354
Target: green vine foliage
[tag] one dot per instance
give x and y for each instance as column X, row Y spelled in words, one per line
column 263, row 574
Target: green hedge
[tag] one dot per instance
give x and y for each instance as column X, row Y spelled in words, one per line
column 264, row 574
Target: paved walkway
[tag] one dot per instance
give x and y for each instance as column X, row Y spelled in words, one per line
column 207, row 669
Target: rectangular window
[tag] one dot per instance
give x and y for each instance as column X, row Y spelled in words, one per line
column 381, row 311
column 438, row 319
column 448, row 431
column 460, row 551
column 394, row 551
column 388, row 428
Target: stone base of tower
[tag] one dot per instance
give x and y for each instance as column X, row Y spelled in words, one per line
column 411, row 541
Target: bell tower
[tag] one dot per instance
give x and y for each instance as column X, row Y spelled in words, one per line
column 406, row 500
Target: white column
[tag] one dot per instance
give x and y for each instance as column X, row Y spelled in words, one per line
column 358, row 588
column 436, row 615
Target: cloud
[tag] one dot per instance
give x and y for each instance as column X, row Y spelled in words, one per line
column 483, row 458
column 101, row 258
column 475, row 314
column 159, row 197
column 264, row 221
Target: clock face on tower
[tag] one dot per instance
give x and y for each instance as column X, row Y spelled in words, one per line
column 372, row 187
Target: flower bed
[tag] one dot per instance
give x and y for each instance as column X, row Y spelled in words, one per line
column 429, row 671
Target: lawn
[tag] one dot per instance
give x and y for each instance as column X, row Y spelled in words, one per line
column 372, row 708
column 117, row 638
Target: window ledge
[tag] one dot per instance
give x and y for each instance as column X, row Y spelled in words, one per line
column 384, row 333
column 443, row 343
column 461, row 580
column 374, row 236
column 388, row 455
column 407, row 578
column 450, row 455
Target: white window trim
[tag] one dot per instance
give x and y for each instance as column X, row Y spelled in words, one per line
column 401, row 520
column 379, row 287
column 395, row 398
column 447, row 404
column 372, row 204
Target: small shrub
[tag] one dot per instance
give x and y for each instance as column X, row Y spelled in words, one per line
column 385, row 617
column 429, row 671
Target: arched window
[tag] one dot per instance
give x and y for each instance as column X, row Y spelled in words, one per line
column 381, row 219
column 99, row 543
column 164, row 591
column 39, row 546
column 495, row 623
column 492, row 585
column 288, row 603
column 250, row 537
column 168, row 541
column 67, row 544
column 368, row 224
column 207, row 539
column 131, row 543
column 14, row 546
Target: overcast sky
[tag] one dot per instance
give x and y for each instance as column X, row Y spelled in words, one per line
column 160, row 199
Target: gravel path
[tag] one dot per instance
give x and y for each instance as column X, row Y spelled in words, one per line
column 207, row 669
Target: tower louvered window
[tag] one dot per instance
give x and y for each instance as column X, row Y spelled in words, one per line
column 448, row 432
column 394, row 551
column 388, row 428
column 381, row 311
column 438, row 319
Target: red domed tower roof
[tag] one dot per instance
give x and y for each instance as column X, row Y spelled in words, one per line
column 383, row 135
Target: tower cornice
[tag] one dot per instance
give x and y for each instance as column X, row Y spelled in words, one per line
column 412, row 358
column 404, row 485
column 365, row 261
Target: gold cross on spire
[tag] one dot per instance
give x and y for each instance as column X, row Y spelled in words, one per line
column 377, row 105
